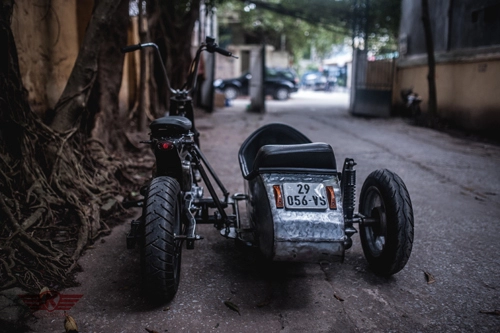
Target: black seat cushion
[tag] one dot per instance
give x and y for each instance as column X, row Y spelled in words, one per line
column 272, row 134
column 289, row 157
column 177, row 124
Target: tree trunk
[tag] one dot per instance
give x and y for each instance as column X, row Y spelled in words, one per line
column 73, row 102
column 52, row 182
column 143, row 36
column 14, row 107
column 172, row 27
column 431, row 76
column 110, row 123
column 26, row 195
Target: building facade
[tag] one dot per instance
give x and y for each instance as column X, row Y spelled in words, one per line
column 466, row 36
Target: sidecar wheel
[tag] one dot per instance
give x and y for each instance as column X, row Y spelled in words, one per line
column 387, row 244
column 160, row 252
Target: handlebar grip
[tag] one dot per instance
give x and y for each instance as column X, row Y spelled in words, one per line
column 131, row 48
column 223, row 52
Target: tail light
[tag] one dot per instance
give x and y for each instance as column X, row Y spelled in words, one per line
column 166, row 145
column 332, row 203
column 278, row 197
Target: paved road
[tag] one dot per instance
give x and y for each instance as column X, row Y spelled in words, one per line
column 455, row 188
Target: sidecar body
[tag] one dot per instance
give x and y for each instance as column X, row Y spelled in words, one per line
column 294, row 197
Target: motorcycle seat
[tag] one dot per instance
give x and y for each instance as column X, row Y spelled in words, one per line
column 175, row 124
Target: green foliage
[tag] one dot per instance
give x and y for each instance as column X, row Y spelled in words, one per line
column 316, row 23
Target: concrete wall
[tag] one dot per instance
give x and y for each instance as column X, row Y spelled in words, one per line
column 468, row 92
column 455, row 24
column 466, row 37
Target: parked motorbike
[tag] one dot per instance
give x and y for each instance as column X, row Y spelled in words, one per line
column 412, row 105
column 300, row 207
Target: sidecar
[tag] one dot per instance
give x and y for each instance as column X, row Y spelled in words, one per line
column 302, row 209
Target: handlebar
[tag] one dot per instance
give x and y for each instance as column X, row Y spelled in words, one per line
column 209, row 46
column 131, row 48
column 224, row 52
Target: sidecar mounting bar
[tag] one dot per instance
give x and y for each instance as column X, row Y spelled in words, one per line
column 212, row 173
column 361, row 219
column 198, row 157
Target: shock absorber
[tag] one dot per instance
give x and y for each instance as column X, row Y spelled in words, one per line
column 348, row 188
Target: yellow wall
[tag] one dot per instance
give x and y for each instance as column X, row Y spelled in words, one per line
column 468, row 93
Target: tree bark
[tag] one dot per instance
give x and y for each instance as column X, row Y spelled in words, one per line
column 14, row 107
column 143, row 36
column 50, row 181
column 73, row 102
column 172, row 31
column 431, row 76
column 110, row 123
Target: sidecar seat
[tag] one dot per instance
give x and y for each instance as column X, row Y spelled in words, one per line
column 279, row 147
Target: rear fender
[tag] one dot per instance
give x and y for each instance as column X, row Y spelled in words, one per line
column 305, row 235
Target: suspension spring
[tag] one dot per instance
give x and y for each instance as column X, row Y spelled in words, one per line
column 348, row 183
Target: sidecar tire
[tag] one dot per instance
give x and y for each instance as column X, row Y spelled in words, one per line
column 160, row 252
column 387, row 245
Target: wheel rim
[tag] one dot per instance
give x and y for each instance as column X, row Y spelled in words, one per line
column 375, row 234
column 230, row 93
column 282, row 93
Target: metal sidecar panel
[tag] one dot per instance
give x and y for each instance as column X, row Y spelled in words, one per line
column 296, row 235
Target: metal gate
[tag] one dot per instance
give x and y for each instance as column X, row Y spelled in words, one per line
column 371, row 92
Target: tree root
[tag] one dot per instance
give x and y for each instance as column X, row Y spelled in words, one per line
column 37, row 245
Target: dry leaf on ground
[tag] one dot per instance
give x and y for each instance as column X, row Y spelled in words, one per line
column 232, row 306
column 429, row 277
column 70, row 324
column 494, row 313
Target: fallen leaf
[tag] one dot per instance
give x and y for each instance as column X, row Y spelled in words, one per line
column 338, row 297
column 429, row 277
column 45, row 290
column 494, row 313
column 232, row 306
column 46, row 294
column 70, row 324
column 151, row 331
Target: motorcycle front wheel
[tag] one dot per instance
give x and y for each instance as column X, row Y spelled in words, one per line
column 160, row 251
column 386, row 244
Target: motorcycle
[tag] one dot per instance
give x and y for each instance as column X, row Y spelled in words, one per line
column 412, row 106
column 300, row 208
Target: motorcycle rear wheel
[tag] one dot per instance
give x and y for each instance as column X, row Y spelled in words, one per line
column 160, row 251
column 387, row 244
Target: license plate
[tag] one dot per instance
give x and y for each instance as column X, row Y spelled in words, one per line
column 305, row 196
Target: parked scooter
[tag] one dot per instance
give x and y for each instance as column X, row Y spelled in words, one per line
column 412, row 104
column 300, row 207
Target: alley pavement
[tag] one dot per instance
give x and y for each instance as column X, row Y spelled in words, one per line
column 454, row 184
